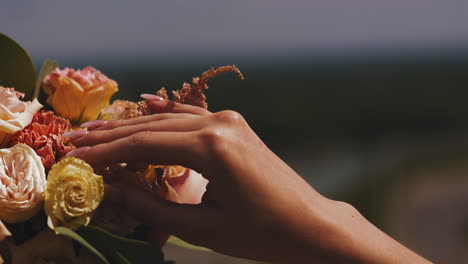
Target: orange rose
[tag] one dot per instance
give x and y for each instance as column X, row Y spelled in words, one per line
column 79, row 95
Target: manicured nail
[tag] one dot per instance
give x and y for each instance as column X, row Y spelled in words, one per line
column 77, row 152
column 94, row 124
column 75, row 134
column 151, row 97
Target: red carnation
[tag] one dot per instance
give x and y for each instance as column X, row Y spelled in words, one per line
column 44, row 135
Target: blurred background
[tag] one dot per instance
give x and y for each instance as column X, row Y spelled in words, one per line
column 366, row 99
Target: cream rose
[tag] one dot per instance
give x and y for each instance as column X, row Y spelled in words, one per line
column 14, row 113
column 22, row 183
column 73, row 193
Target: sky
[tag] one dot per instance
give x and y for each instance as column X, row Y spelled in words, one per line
column 111, row 27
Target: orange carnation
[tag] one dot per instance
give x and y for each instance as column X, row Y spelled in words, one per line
column 44, row 135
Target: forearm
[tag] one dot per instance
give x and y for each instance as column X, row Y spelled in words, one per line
column 342, row 235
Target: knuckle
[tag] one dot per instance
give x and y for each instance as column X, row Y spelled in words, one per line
column 92, row 138
column 139, row 138
column 229, row 117
column 210, row 136
column 163, row 116
column 213, row 140
column 119, row 123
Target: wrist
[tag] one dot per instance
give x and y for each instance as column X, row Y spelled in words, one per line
column 356, row 240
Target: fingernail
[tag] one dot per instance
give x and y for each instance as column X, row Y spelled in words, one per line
column 94, row 124
column 77, row 152
column 151, row 97
column 75, row 134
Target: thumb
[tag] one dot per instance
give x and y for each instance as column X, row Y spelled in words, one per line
column 190, row 222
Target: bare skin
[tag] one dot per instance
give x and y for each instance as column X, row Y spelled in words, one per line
column 255, row 206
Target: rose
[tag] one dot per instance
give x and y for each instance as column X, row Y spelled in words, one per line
column 22, row 183
column 79, row 95
column 14, row 113
column 73, row 193
column 173, row 183
column 188, row 184
column 184, row 186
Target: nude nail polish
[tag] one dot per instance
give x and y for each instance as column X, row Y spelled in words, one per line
column 94, row 124
column 151, row 97
column 75, row 134
column 77, row 152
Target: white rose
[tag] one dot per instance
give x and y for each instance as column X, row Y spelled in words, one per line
column 22, row 183
column 14, row 113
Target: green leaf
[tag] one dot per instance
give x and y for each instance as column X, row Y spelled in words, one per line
column 133, row 251
column 71, row 234
column 47, row 67
column 120, row 258
column 16, row 67
column 181, row 243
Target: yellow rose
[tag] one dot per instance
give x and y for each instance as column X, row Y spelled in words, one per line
column 79, row 95
column 73, row 193
column 22, row 183
column 14, row 113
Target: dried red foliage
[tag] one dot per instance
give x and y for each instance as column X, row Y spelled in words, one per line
column 44, row 135
column 123, row 109
column 193, row 94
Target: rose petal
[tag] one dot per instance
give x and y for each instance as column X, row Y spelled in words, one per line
column 14, row 113
column 22, row 183
column 79, row 95
column 66, row 180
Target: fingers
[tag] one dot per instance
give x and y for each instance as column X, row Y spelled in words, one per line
column 167, row 106
column 168, row 148
column 189, row 222
column 103, row 125
column 107, row 135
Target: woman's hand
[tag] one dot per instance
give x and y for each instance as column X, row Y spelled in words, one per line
column 255, row 206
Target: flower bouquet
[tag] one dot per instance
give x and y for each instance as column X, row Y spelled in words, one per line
column 51, row 208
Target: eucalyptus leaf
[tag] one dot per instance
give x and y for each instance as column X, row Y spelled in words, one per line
column 134, row 251
column 73, row 235
column 16, row 67
column 47, row 67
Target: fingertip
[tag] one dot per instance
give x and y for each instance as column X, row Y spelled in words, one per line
column 151, row 97
column 77, row 153
column 75, row 134
column 167, row 106
column 91, row 125
column 160, row 106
